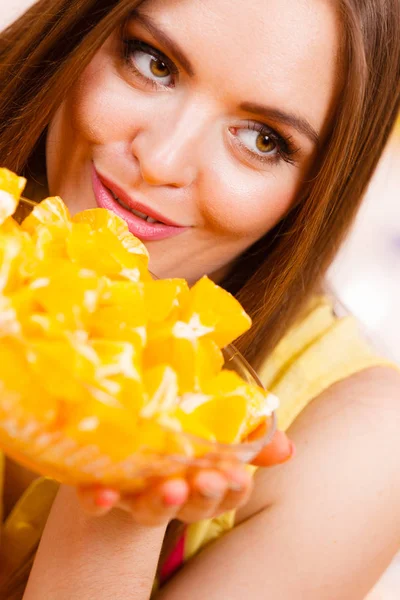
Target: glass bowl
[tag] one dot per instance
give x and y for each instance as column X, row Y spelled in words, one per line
column 53, row 454
column 66, row 460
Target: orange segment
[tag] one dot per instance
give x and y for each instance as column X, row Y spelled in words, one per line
column 11, row 188
column 101, row 251
column 222, row 417
column 52, row 212
column 163, row 298
column 66, row 292
column 20, row 390
column 260, row 404
column 67, row 368
column 161, row 388
column 214, row 308
column 101, row 219
column 118, row 374
column 111, row 429
column 121, row 313
column 192, row 360
column 10, row 251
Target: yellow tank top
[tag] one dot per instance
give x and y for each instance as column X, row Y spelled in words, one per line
column 319, row 351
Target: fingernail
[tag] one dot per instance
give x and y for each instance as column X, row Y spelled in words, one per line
column 236, row 487
column 106, row 498
column 172, row 499
column 174, row 493
column 292, row 453
column 211, row 494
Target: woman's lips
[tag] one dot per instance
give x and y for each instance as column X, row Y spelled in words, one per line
column 138, row 227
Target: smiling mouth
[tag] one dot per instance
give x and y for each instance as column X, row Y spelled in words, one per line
column 133, row 211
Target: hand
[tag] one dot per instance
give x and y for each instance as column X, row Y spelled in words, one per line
column 202, row 494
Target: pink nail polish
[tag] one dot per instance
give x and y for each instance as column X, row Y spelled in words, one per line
column 174, row 493
column 292, row 454
column 106, row 498
column 172, row 499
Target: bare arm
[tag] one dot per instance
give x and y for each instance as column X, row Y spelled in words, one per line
column 326, row 525
column 84, row 557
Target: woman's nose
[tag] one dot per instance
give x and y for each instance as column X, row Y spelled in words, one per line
column 168, row 151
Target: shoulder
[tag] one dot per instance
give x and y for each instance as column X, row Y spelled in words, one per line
column 333, row 511
column 349, row 430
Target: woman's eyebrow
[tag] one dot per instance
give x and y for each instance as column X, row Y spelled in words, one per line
column 298, row 123
column 164, row 39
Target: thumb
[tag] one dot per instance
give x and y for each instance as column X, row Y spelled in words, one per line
column 278, row 451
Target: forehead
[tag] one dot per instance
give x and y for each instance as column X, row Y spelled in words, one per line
column 280, row 52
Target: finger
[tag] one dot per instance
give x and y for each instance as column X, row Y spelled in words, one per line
column 207, row 491
column 158, row 504
column 278, row 451
column 97, row 501
column 240, row 487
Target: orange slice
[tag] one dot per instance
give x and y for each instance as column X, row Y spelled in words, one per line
column 161, row 386
column 192, row 360
column 52, row 212
column 216, row 312
column 260, row 404
column 222, row 417
column 11, row 188
column 121, row 314
column 101, row 219
column 66, row 292
column 21, row 392
column 102, row 251
column 113, row 430
column 163, row 298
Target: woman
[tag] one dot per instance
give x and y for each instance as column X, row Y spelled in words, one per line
column 249, row 134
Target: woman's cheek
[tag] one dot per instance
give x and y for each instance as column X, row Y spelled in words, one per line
column 245, row 210
column 97, row 110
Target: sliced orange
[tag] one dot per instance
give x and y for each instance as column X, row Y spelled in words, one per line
column 212, row 307
column 103, row 219
column 101, row 251
column 21, row 392
column 260, row 404
column 192, row 360
column 49, row 224
column 67, row 368
column 112, row 430
column 10, row 251
column 118, row 374
column 51, row 212
column 163, row 298
column 161, row 388
column 66, row 292
column 11, row 188
column 223, row 417
column 121, row 314
column 95, row 349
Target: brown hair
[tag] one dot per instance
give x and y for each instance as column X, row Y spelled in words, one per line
column 43, row 52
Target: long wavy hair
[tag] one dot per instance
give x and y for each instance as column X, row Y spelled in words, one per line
column 43, row 53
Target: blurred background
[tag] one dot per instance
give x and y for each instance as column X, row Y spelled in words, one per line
column 365, row 275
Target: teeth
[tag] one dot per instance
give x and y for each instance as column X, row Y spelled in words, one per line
column 132, row 210
column 137, row 213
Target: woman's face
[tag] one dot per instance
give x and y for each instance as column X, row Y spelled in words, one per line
column 205, row 117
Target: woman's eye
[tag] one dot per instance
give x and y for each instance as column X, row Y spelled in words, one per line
column 148, row 64
column 152, row 67
column 258, row 142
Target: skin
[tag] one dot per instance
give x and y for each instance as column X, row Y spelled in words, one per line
column 177, row 148
column 312, row 528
